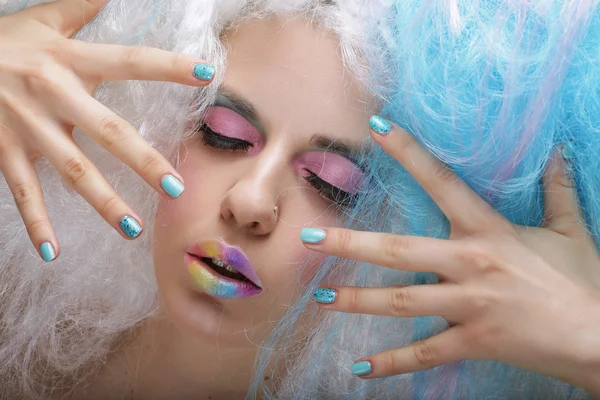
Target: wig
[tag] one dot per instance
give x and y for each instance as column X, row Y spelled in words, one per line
column 489, row 86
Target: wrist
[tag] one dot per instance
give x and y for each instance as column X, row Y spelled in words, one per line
column 588, row 376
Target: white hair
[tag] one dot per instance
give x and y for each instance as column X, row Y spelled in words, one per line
column 58, row 320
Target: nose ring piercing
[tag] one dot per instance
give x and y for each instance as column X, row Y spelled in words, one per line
column 276, row 211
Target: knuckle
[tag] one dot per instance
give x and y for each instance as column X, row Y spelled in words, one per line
column 35, row 225
column 134, row 55
column 480, row 259
column 23, row 194
column 394, row 246
column 399, row 301
column 563, row 180
column 41, row 78
column 108, row 205
column 390, row 363
column 480, row 301
column 179, row 62
column 407, row 141
column 486, row 263
column 151, row 162
column 112, row 131
column 60, row 49
column 344, row 240
column 75, row 171
column 424, row 353
column 353, row 302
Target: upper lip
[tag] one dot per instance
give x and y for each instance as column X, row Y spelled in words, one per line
column 231, row 255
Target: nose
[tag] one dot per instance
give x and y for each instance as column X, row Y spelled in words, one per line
column 251, row 204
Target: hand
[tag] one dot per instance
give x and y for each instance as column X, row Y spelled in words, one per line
column 520, row 295
column 47, row 80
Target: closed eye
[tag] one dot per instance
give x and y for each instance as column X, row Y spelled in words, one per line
column 330, row 192
column 222, row 142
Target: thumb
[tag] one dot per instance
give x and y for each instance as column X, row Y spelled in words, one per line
column 561, row 206
column 66, row 16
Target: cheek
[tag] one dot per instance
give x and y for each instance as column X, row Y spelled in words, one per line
column 300, row 264
column 173, row 212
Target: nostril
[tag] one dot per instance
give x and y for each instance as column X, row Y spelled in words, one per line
column 254, row 224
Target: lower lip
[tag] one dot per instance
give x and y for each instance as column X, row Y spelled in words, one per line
column 216, row 284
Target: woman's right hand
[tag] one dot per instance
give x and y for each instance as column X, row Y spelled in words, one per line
column 46, row 81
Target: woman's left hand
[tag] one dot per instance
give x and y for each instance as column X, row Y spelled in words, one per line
column 525, row 296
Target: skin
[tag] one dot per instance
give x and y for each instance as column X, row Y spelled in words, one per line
column 168, row 354
column 232, row 196
column 46, row 92
column 525, row 296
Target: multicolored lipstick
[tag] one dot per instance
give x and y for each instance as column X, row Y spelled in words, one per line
column 210, row 261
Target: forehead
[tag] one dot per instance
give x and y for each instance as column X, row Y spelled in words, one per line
column 293, row 74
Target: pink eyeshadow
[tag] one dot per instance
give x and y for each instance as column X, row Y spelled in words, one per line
column 333, row 169
column 229, row 123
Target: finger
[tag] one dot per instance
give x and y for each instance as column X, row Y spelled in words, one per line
column 118, row 137
column 82, row 175
column 406, row 253
column 24, row 184
column 444, row 348
column 66, row 16
column 561, row 206
column 79, row 172
column 461, row 205
column 445, row 300
column 107, row 62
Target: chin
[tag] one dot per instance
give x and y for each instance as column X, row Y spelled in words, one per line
column 230, row 323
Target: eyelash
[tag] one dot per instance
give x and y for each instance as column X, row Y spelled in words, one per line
column 325, row 189
column 333, row 193
column 221, row 142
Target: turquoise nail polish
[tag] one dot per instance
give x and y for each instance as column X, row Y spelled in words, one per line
column 567, row 151
column 380, row 125
column 47, row 251
column 172, row 186
column 361, row 368
column 312, row 235
column 204, row 71
column 324, row 295
column 130, row 226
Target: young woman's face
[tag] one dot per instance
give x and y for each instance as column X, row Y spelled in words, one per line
column 272, row 156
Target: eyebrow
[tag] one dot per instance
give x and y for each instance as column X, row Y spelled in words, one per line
column 332, row 145
column 239, row 104
column 322, row 142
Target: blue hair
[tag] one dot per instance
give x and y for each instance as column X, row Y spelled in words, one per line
column 491, row 87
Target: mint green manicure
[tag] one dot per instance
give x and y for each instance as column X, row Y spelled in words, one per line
column 324, row 295
column 380, row 125
column 204, row 71
column 361, row 368
column 312, row 235
column 568, row 152
column 47, row 251
column 172, row 186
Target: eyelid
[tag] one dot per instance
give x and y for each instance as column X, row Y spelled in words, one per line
column 224, row 101
column 228, row 123
column 332, row 168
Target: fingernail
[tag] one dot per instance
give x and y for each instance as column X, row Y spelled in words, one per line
column 361, row 368
column 380, row 125
column 172, row 186
column 568, row 154
column 204, row 71
column 567, row 151
column 324, row 295
column 130, row 226
column 47, row 251
column 312, row 235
